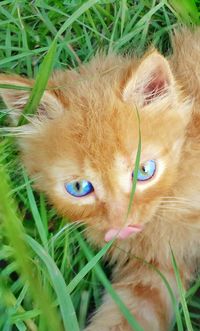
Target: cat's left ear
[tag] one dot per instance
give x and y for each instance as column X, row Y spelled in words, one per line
column 150, row 82
column 16, row 98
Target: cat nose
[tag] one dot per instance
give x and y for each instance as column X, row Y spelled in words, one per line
column 117, row 213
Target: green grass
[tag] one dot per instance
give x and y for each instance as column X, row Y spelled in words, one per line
column 43, row 249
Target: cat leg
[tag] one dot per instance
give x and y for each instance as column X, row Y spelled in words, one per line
column 109, row 318
column 146, row 297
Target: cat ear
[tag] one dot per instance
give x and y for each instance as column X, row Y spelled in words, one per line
column 16, row 98
column 151, row 81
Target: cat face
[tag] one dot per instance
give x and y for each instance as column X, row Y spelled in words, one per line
column 81, row 147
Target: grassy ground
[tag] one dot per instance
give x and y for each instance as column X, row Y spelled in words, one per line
column 53, row 273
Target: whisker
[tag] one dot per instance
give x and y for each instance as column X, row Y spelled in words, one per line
column 176, row 201
column 181, row 199
column 182, row 222
column 173, row 208
column 179, row 203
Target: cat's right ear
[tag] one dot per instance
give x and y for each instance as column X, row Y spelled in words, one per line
column 16, row 98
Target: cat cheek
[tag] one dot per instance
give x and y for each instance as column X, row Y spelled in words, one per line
column 83, row 201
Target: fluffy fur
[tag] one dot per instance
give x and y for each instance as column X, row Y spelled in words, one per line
column 88, row 128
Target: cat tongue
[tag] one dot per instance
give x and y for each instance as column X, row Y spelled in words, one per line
column 123, row 233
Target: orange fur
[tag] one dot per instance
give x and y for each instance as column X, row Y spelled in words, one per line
column 88, row 129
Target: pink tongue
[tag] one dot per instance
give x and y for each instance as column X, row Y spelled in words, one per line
column 123, row 233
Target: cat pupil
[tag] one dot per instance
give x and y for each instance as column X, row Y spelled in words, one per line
column 143, row 168
column 77, row 186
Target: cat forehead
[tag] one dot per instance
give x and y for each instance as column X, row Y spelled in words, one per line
column 78, row 134
column 88, row 167
column 119, row 165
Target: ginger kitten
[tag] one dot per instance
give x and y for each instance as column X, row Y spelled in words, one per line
column 81, row 149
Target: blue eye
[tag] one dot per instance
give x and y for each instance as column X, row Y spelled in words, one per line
column 79, row 188
column 146, row 171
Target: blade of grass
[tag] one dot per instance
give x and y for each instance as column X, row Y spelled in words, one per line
column 193, row 289
column 90, row 265
column 187, row 10
column 8, row 42
column 35, row 212
column 114, row 31
column 22, row 55
column 66, row 306
column 43, row 213
column 136, row 167
column 24, row 41
column 40, row 83
column 181, row 293
column 15, row 87
column 124, row 10
column 83, row 308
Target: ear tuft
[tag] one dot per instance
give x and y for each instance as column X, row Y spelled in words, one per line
column 151, row 81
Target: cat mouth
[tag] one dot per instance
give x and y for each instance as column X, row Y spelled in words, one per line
column 122, row 233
